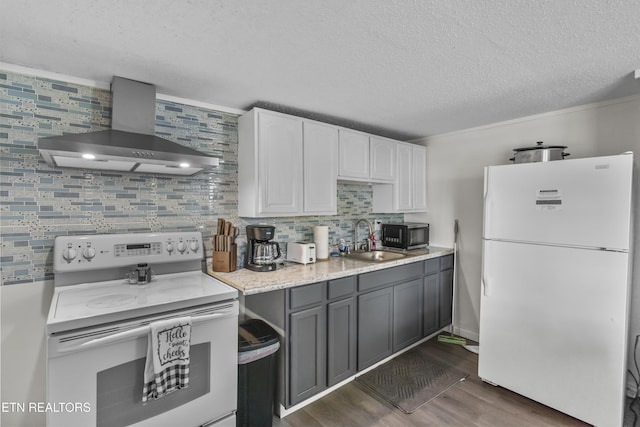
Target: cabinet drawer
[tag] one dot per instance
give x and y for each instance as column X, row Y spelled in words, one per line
column 446, row 262
column 388, row 276
column 305, row 295
column 431, row 266
column 341, row 287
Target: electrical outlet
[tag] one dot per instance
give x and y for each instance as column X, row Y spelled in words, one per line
column 377, row 225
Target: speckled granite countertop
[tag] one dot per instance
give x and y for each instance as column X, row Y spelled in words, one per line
column 291, row 274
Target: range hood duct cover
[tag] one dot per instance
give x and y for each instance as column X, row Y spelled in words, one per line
column 130, row 144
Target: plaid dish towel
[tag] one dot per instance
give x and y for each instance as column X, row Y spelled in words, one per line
column 167, row 365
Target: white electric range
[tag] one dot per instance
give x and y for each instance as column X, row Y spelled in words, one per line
column 98, row 328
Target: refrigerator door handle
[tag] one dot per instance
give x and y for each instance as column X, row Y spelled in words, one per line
column 483, row 278
column 485, row 201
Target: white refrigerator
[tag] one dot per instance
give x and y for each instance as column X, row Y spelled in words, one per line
column 556, row 283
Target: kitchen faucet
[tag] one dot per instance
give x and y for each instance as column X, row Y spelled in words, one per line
column 368, row 245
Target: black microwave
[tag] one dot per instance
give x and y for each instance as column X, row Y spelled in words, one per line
column 407, row 235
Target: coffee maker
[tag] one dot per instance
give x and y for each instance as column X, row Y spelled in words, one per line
column 261, row 252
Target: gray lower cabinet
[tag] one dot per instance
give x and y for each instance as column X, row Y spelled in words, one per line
column 446, row 290
column 375, row 323
column 341, row 340
column 322, row 336
column 306, row 354
column 331, row 330
column 431, row 315
column 431, row 297
column 390, row 317
column 341, row 329
column 437, row 294
column 407, row 314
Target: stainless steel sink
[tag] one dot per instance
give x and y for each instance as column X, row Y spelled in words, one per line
column 376, row 256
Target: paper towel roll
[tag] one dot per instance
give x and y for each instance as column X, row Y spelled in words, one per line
column 321, row 239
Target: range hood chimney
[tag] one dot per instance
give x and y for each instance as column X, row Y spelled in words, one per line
column 130, row 144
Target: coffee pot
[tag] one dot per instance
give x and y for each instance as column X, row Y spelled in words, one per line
column 262, row 253
column 265, row 252
column 142, row 274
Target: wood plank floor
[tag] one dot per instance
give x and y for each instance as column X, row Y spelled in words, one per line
column 468, row 403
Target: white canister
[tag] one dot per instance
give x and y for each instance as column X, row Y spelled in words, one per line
column 321, row 239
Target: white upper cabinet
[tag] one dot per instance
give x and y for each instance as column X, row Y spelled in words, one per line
column 365, row 157
column 354, row 155
column 289, row 166
column 419, row 169
column 269, row 164
column 408, row 193
column 320, row 144
column 382, row 156
column 286, row 166
column 404, row 183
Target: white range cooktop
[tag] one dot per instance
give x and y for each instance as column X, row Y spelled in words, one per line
column 91, row 304
column 90, row 284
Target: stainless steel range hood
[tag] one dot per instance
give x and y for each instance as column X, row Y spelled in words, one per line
column 130, row 144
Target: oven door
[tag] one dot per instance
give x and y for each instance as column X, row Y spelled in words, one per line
column 95, row 375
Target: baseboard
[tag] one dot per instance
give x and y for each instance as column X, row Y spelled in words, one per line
column 464, row 333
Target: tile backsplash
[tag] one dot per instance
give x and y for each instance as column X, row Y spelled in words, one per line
column 38, row 202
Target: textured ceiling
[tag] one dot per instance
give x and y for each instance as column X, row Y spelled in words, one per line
column 403, row 68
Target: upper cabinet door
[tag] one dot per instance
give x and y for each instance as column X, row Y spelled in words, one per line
column 279, row 163
column 354, row 154
column 408, row 193
column 383, row 159
column 320, row 168
column 419, row 178
column 404, row 183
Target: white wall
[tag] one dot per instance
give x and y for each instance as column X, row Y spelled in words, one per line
column 455, row 164
column 23, row 310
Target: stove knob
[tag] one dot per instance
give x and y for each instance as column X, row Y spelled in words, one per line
column 182, row 247
column 69, row 254
column 89, row 253
column 194, row 246
column 169, row 247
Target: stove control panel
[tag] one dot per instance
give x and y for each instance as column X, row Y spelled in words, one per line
column 138, row 249
column 100, row 251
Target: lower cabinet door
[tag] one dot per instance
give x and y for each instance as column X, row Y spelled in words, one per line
column 341, row 340
column 375, row 323
column 407, row 314
column 446, row 297
column 431, row 318
column 306, row 357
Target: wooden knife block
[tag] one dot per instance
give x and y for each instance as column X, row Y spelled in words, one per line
column 225, row 262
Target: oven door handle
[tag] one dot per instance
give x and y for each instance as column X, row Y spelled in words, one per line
column 135, row 332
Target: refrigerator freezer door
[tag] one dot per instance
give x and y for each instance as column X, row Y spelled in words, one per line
column 553, row 324
column 582, row 202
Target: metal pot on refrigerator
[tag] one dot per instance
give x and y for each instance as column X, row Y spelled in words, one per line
column 539, row 153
